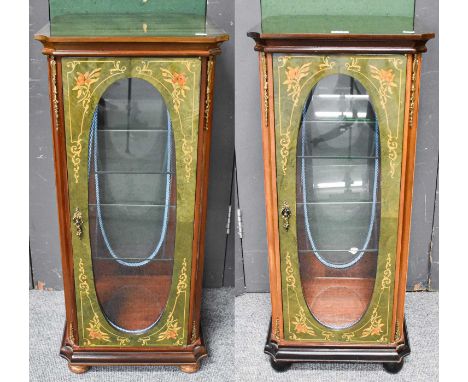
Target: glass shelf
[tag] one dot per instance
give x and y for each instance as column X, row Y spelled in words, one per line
column 309, row 251
column 112, row 172
column 350, row 120
column 335, row 157
column 336, row 202
column 134, row 259
column 129, row 205
column 126, row 130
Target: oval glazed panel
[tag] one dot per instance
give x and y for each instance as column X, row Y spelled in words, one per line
column 132, row 204
column 338, row 200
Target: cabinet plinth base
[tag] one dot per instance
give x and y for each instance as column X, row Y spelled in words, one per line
column 187, row 358
column 392, row 358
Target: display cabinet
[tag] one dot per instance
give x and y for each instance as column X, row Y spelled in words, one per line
column 131, row 103
column 339, row 119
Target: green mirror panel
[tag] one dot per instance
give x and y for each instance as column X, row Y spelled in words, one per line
column 136, row 25
column 176, row 87
column 130, row 18
column 383, row 79
column 352, row 16
column 156, row 7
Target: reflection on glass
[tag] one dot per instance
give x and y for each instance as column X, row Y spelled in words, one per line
column 132, row 210
column 338, row 200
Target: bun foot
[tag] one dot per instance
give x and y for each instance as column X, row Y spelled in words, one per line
column 279, row 366
column 78, row 369
column 393, row 367
column 191, row 368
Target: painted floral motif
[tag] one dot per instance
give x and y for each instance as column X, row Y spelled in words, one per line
column 386, row 79
column 327, row 64
column 285, row 141
column 84, row 286
column 353, row 66
column 294, row 75
column 376, row 324
column 348, row 336
column 375, row 327
column 83, row 82
column 179, row 86
column 182, row 283
column 172, row 330
column 290, row 279
column 300, row 323
column 122, row 341
column 94, row 330
column 81, row 88
column 144, row 340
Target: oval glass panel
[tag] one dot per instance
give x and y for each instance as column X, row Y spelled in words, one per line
column 132, row 204
column 338, row 200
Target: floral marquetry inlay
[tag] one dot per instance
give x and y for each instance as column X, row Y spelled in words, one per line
column 383, row 77
column 178, row 81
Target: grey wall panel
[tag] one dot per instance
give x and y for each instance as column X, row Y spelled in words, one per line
column 222, row 149
column 43, row 226
column 229, row 261
column 249, row 149
column 434, row 252
column 427, row 18
column 45, row 250
column 239, row 283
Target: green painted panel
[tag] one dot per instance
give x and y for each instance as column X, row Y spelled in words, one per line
column 384, row 78
column 178, row 81
column 325, row 16
column 157, row 7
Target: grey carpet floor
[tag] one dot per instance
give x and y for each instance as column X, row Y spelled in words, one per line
column 252, row 314
column 252, row 318
column 46, row 320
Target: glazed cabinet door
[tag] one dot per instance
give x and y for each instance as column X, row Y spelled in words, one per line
column 131, row 130
column 339, row 126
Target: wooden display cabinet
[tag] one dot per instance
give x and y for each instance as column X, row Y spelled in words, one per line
column 339, row 120
column 131, row 105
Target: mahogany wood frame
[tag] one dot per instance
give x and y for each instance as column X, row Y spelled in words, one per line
column 186, row 357
column 282, row 351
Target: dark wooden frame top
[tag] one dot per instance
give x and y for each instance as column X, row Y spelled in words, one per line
column 129, row 46
column 341, row 43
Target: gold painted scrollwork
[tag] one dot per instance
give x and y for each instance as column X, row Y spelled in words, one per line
column 265, row 88
column 55, row 102
column 209, row 75
column 413, row 90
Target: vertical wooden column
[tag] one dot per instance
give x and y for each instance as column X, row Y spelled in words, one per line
column 406, row 198
column 269, row 160
column 61, row 182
